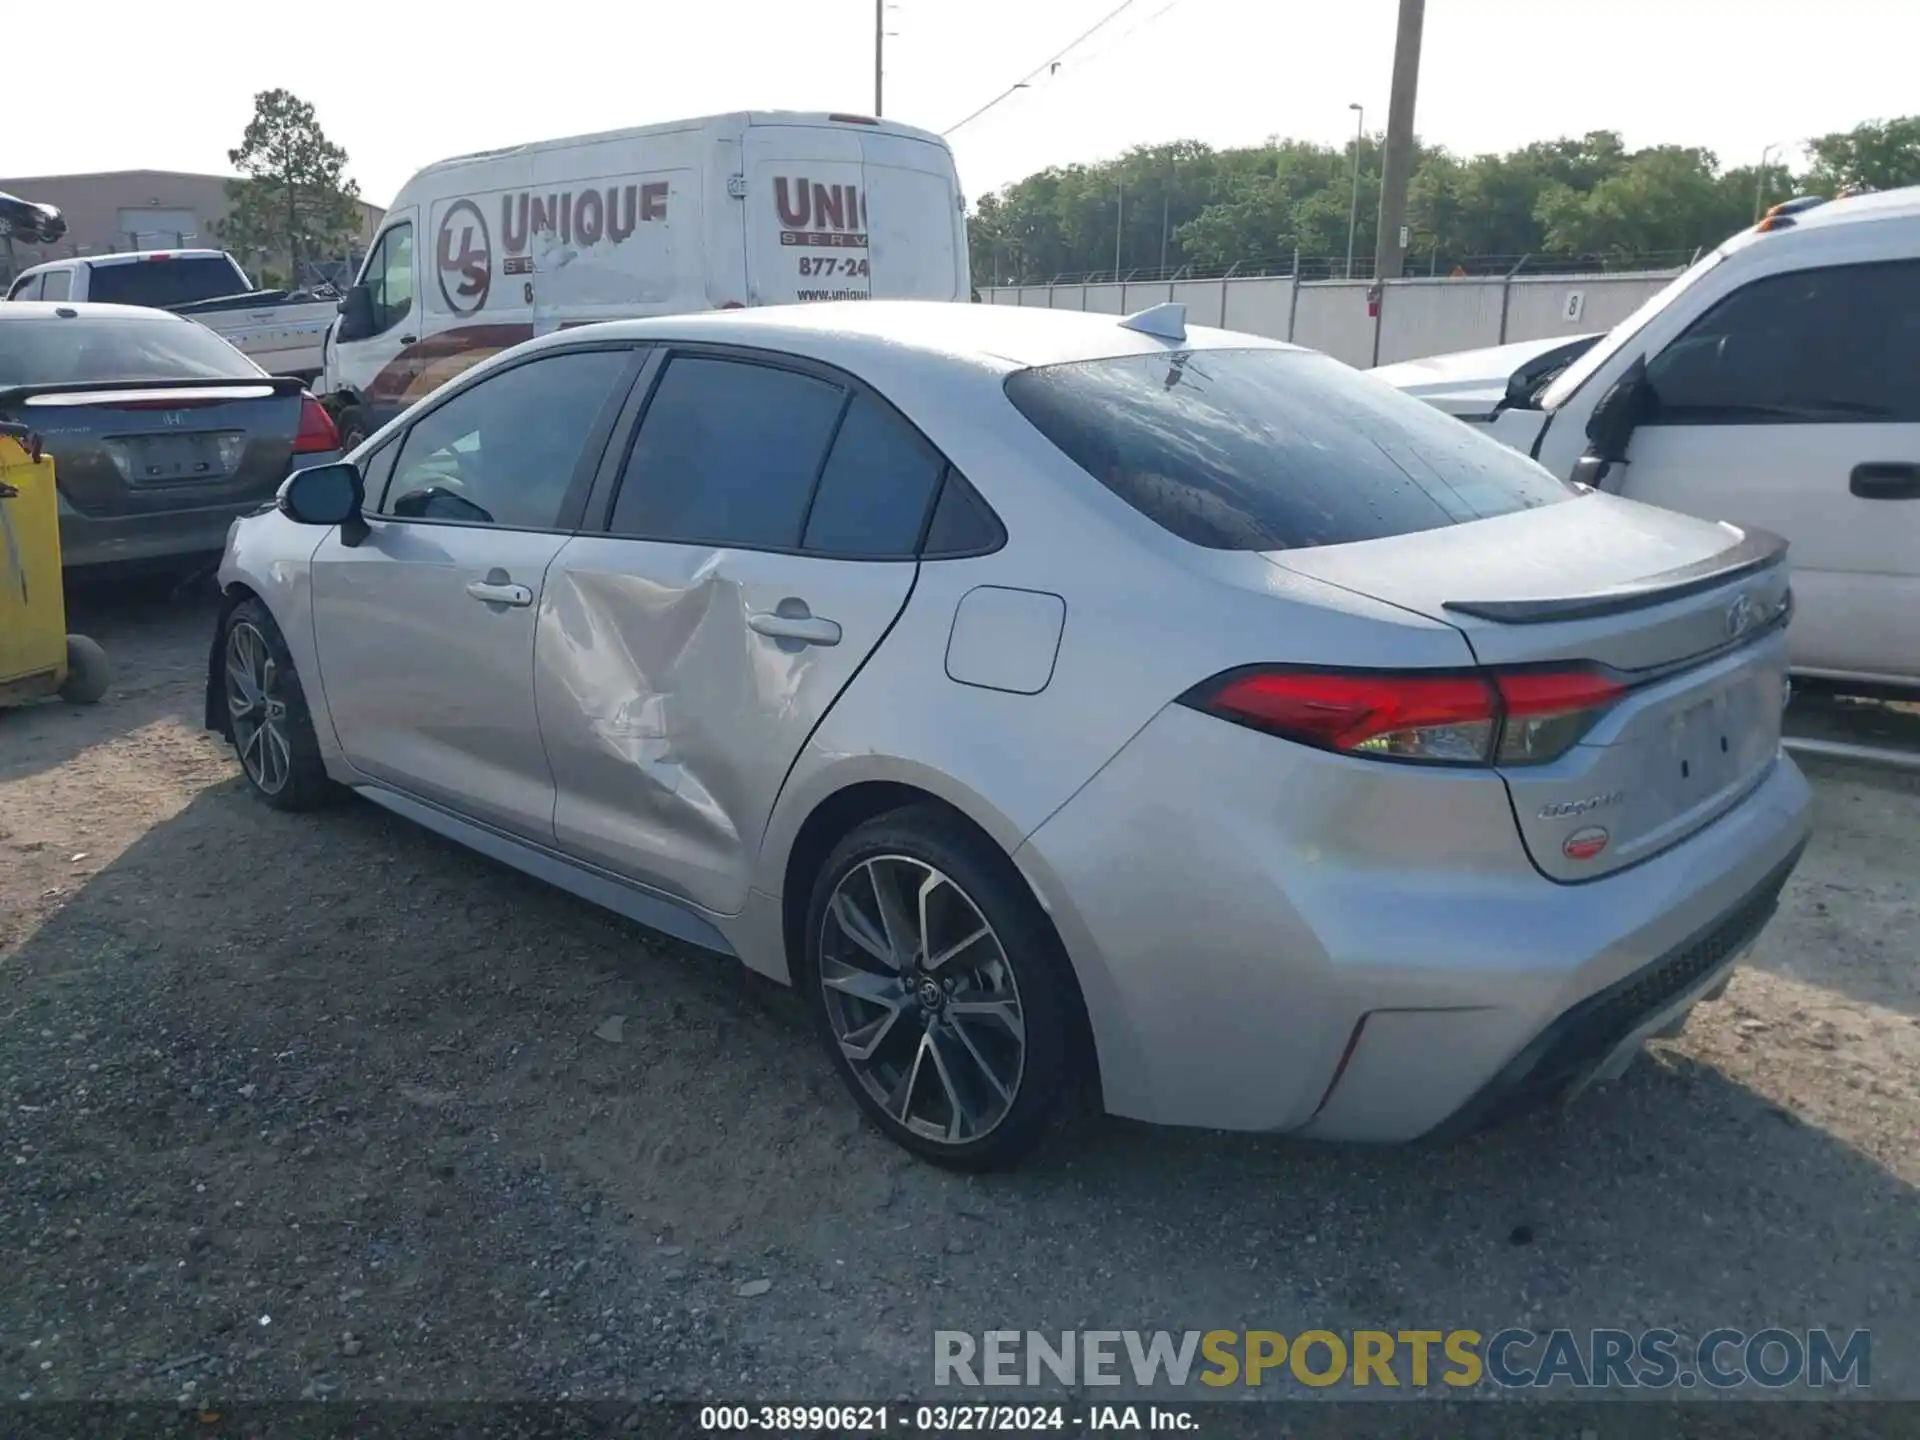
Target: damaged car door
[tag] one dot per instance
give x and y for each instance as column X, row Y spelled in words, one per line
column 425, row 622
column 757, row 540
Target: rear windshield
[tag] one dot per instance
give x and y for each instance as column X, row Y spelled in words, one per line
column 90, row 350
column 1273, row 449
column 160, row 283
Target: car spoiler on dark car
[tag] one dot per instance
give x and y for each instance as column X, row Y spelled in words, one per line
column 276, row 384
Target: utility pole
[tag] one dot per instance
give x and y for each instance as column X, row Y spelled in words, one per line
column 1166, row 211
column 1119, row 224
column 879, row 54
column 1397, row 165
column 1353, row 208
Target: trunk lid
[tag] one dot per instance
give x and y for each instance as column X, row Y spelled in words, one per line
column 147, row 447
column 849, row 212
column 1688, row 614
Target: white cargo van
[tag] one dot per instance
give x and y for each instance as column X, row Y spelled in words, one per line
column 766, row 208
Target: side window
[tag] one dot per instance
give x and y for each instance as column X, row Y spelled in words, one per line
column 389, row 277
column 56, row 285
column 873, row 495
column 27, row 289
column 504, row 451
column 1813, row 346
column 727, row 454
column 962, row 523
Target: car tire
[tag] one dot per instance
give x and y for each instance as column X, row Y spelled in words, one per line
column 89, row 672
column 354, row 427
column 274, row 741
column 972, row 1078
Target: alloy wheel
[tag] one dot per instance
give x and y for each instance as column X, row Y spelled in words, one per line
column 258, row 708
column 921, row 997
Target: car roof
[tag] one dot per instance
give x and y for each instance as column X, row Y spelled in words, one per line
column 994, row 337
column 804, row 118
column 85, row 310
column 124, row 257
column 1901, row 204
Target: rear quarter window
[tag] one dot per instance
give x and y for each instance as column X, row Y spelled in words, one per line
column 1273, row 449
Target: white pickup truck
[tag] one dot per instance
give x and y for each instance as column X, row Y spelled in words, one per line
column 282, row 331
column 1773, row 387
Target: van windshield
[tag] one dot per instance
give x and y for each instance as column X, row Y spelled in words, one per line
column 1610, row 344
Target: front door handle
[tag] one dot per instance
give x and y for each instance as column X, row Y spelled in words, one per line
column 803, row 627
column 496, row 589
column 1886, row 480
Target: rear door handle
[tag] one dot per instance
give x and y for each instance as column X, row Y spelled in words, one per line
column 805, row 628
column 495, row 592
column 1886, row 480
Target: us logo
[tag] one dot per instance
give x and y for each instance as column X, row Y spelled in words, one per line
column 465, row 256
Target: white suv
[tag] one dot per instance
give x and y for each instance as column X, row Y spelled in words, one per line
column 1776, row 386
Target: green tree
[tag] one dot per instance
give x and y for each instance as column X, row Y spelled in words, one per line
column 1877, row 155
column 1668, row 198
column 293, row 199
column 1577, row 196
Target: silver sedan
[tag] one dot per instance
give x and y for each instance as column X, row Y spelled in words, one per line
column 1069, row 706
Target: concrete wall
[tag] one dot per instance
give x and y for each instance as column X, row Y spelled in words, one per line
column 1418, row 317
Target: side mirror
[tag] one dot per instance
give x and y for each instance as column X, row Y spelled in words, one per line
column 1611, row 425
column 326, row 495
column 356, row 314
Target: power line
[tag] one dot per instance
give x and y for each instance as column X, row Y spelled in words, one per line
column 1047, row 64
column 1123, row 37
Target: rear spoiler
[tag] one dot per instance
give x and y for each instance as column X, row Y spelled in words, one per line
column 281, row 385
column 1758, row 550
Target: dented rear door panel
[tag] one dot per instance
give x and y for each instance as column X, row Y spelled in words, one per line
column 669, row 720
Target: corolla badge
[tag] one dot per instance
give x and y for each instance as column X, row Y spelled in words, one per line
column 1585, row 844
column 1740, row 616
column 1567, row 809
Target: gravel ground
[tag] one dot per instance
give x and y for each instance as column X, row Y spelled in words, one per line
column 321, row 1106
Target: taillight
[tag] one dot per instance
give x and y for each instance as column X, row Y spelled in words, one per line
column 1547, row 711
column 1518, row 717
column 317, row 431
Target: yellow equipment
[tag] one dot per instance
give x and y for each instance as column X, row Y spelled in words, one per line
column 37, row 656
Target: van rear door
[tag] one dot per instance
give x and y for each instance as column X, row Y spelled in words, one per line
column 915, row 225
column 849, row 212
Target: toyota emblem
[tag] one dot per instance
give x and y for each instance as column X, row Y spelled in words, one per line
column 1740, row 616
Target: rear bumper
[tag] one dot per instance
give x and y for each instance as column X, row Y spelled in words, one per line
column 1588, row 1041
column 1273, row 938
column 103, row 543
column 106, row 542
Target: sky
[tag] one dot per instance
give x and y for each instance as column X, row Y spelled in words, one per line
column 402, row 85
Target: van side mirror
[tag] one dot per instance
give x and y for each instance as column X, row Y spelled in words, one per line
column 326, row 495
column 356, row 314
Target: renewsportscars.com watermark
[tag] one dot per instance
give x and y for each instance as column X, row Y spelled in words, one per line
column 1727, row 1359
